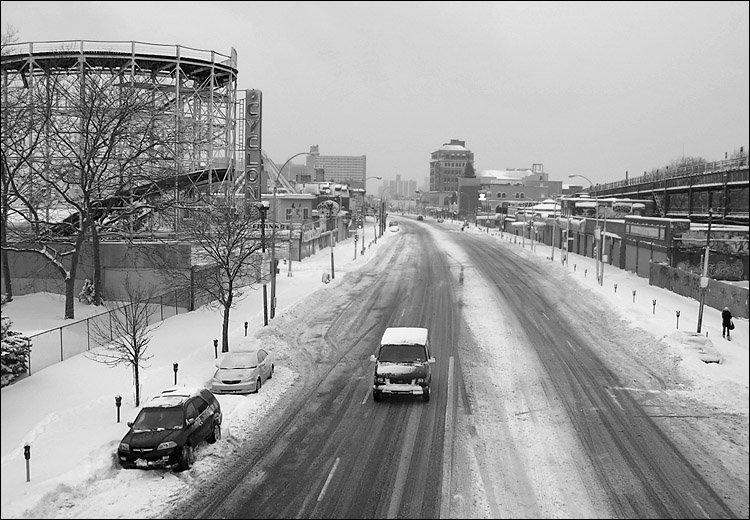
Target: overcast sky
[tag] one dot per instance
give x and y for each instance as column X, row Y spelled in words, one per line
column 591, row 88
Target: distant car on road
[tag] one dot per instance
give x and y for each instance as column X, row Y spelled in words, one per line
column 243, row 372
column 440, row 219
column 393, row 226
column 169, row 427
column 420, row 217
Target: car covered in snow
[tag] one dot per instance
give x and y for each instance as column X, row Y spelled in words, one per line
column 403, row 363
column 243, row 372
column 169, row 427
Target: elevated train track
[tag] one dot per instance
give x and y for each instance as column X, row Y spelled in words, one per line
column 690, row 191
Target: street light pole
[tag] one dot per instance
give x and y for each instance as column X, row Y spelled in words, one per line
column 597, row 231
column 263, row 209
column 273, row 240
column 704, row 278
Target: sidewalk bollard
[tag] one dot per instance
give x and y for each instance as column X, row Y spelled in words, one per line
column 678, row 318
column 633, row 295
column 653, row 302
column 615, row 287
column 27, row 456
column 575, row 266
column 216, row 349
column 585, row 272
column 118, row 402
column 174, row 367
column 245, row 328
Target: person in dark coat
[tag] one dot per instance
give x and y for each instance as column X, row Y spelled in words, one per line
column 726, row 319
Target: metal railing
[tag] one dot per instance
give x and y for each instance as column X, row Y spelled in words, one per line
column 690, row 170
column 58, row 344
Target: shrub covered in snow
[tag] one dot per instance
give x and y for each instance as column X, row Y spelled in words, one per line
column 87, row 292
column 14, row 352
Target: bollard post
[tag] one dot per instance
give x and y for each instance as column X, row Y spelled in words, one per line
column 615, row 287
column 216, row 349
column 174, row 367
column 585, row 272
column 653, row 302
column 118, row 402
column 27, row 456
column 633, row 295
column 575, row 266
column 678, row 318
column 245, row 328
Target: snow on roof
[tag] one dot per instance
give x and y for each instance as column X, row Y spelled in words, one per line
column 453, row 147
column 404, row 336
column 511, row 175
column 174, row 396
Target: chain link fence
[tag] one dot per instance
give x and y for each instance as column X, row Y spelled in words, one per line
column 58, row 344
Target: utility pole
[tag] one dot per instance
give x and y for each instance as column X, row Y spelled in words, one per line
column 273, row 256
column 262, row 208
column 554, row 228
column 604, row 245
column 704, row 278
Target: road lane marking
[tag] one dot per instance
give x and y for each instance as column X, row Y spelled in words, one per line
column 445, row 503
column 328, row 480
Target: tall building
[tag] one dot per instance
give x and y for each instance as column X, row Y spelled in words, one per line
column 447, row 165
column 351, row 169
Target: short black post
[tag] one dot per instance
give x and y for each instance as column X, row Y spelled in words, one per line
column 615, row 287
column 633, row 295
column 27, row 456
column 678, row 318
column 216, row 349
column 245, row 328
column 174, row 367
column 118, row 402
column 653, row 302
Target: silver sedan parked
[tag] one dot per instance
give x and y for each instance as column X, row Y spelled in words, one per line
column 243, row 372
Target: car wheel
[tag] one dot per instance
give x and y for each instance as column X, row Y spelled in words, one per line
column 215, row 433
column 270, row 374
column 375, row 396
column 186, row 458
column 257, row 385
column 426, row 394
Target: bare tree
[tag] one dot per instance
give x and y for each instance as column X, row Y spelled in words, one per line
column 228, row 243
column 126, row 336
column 108, row 142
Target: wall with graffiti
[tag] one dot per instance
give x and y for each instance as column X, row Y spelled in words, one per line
column 728, row 258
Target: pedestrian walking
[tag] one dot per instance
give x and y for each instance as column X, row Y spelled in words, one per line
column 726, row 323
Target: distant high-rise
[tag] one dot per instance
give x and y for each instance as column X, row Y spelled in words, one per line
column 350, row 169
column 447, row 164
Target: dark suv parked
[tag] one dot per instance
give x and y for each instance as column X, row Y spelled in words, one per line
column 169, row 427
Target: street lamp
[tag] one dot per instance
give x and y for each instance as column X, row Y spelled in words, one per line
column 381, row 210
column 262, row 207
column 364, row 214
column 597, row 231
column 273, row 240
